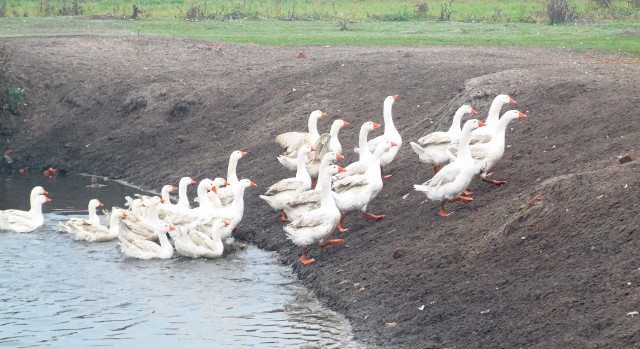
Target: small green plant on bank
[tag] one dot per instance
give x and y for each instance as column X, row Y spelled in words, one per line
column 14, row 97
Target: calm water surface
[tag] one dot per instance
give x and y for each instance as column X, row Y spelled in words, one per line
column 56, row 292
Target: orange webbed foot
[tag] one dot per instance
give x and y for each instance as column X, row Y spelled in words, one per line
column 373, row 216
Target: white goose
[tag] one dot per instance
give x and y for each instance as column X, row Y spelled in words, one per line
column 143, row 226
column 226, row 194
column 450, row 182
column 24, row 221
column 356, row 191
column 488, row 154
column 96, row 232
column 76, row 222
column 204, row 210
column 483, row 135
column 183, row 198
column 213, row 196
column 391, row 134
column 195, row 244
column 145, row 249
column 432, row 148
column 294, row 140
column 35, row 192
column 310, row 200
column 364, row 154
column 285, row 189
column 326, row 143
column 316, row 225
column 234, row 212
column 165, row 194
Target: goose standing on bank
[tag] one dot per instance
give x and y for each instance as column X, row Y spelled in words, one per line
column 285, row 189
column 488, row 154
column 328, row 142
column 292, row 141
column 432, row 148
column 483, row 135
column 450, row 182
column 316, row 225
column 390, row 134
column 356, row 191
column 310, row 200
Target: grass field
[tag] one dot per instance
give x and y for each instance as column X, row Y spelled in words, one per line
column 394, row 10
column 494, row 22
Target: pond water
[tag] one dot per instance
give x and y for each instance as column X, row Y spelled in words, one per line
column 56, row 292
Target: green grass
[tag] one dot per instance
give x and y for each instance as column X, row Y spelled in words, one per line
column 391, row 10
column 606, row 35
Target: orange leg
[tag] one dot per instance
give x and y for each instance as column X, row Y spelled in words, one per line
column 442, row 212
column 373, row 216
column 340, row 227
column 304, row 258
column 494, row 181
column 283, row 216
column 331, row 242
column 467, row 192
column 383, row 176
column 464, row 199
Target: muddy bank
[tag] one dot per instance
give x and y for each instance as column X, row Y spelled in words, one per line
column 549, row 260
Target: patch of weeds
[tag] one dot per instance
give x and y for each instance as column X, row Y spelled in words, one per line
column 558, row 11
column 14, row 97
column 75, row 9
column 446, row 11
column 198, row 11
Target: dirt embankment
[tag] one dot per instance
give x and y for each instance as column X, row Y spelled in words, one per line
column 549, row 260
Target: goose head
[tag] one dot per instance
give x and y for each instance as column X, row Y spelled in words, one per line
column 472, row 124
column 38, row 190
column 41, row 199
column 245, row 183
column 337, row 125
column 94, row 203
column 370, row 126
column 504, row 99
column 237, row 154
column 513, row 114
column 334, row 169
column 466, row 109
column 317, row 114
column 390, row 99
column 219, row 224
column 184, row 181
column 219, row 182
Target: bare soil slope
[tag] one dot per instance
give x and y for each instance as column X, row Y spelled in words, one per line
column 549, row 260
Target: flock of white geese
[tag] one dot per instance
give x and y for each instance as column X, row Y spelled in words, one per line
column 314, row 202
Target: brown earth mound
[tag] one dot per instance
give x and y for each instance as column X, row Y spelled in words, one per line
column 549, row 260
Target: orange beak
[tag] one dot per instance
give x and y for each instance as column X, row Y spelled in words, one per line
column 143, row 205
column 341, row 169
column 226, row 182
column 393, row 144
column 214, row 189
column 376, row 126
column 171, row 227
column 522, row 115
column 226, row 223
column 474, row 112
column 313, row 148
column 100, row 204
column 339, row 156
column 395, row 97
column 162, row 200
column 173, row 187
column 193, row 181
column 243, row 153
column 323, row 114
column 48, row 199
column 45, row 192
column 253, row 184
column 480, row 124
column 344, row 123
column 124, row 214
column 512, row 101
